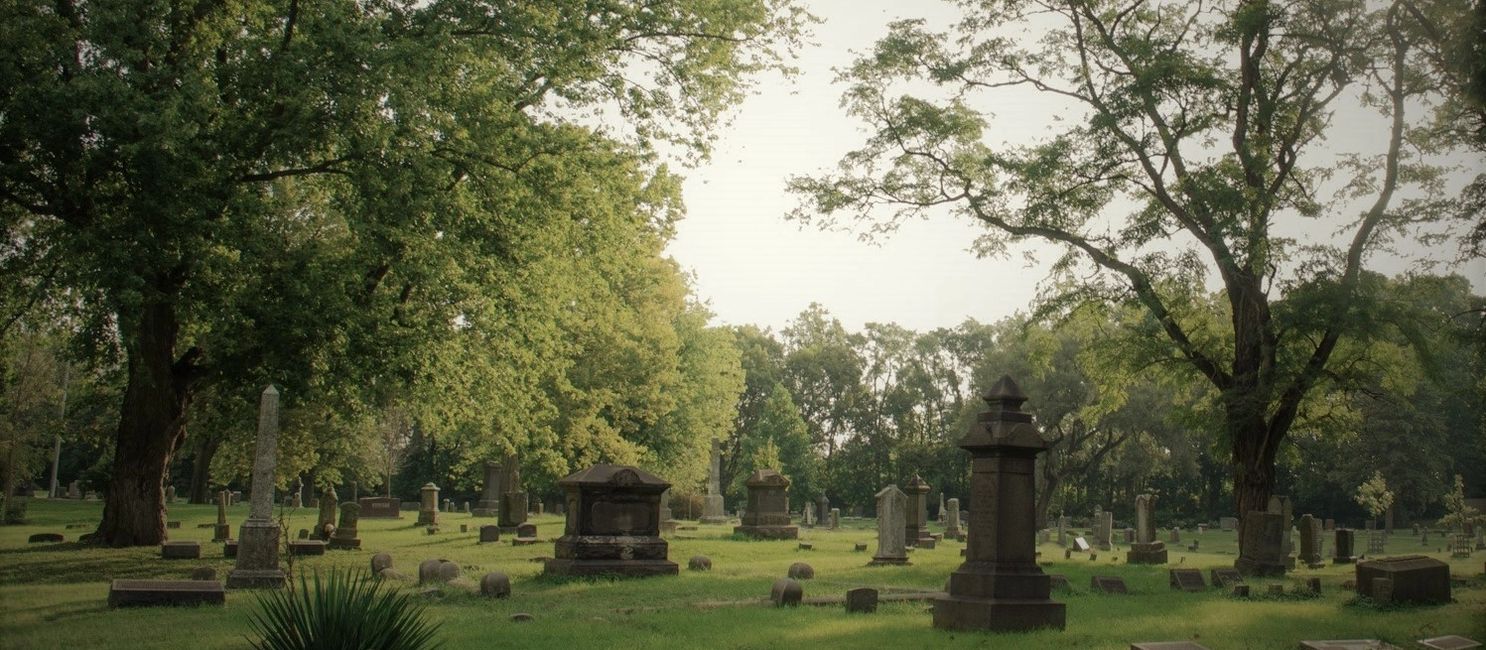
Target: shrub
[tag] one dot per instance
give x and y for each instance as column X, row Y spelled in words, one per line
column 349, row 610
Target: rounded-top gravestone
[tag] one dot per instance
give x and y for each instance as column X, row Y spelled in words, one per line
column 495, row 585
column 786, row 592
column 380, row 561
column 699, row 563
column 801, row 571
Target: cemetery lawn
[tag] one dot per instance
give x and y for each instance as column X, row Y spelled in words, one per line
column 54, row 595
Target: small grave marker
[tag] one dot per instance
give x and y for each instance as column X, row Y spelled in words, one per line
column 1108, row 584
column 149, row 593
column 1187, row 580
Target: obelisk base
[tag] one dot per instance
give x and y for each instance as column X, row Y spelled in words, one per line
column 257, row 557
column 997, row 614
column 712, row 510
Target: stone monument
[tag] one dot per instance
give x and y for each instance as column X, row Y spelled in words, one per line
column 1146, row 549
column 891, row 544
column 513, row 502
column 489, row 503
column 258, row 539
column 952, row 519
column 428, row 508
column 917, row 527
column 1310, row 542
column 1280, row 504
column 1261, row 549
column 222, row 531
column 713, row 511
column 613, row 524
column 345, row 534
column 1000, row 587
column 328, row 506
column 767, row 514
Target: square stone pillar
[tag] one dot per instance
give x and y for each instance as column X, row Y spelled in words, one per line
column 1000, row 587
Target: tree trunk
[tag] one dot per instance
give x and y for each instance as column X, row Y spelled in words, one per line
column 151, row 424
column 201, row 469
column 1253, row 466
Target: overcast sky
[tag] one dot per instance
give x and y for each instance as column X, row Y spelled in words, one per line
column 753, row 266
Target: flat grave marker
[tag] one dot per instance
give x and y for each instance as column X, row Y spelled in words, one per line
column 1108, row 584
column 150, row 593
column 1187, row 580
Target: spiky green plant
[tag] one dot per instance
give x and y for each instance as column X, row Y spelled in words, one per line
column 349, row 610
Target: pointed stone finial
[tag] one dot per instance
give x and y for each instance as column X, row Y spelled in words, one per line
column 1006, row 392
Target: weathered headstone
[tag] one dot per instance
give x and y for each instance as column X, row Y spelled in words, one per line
column 1146, row 549
column 891, row 547
column 916, row 525
column 448, row 505
column 1281, row 505
column 823, row 510
column 1310, row 542
column 428, row 507
column 1186, row 580
column 713, row 511
column 1081, row 545
column 380, row 561
column 861, row 600
column 307, row 547
column 514, row 501
column 1416, row 578
column 699, row 563
column 1344, row 540
column 1227, row 524
column 1108, row 585
column 1103, row 530
column 668, row 522
column 808, row 515
column 170, row 494
column 437, row 571
column 526, row 533
column 1176, row 534
column 613, row 524
column 489, row 534
column 329, row 504
column 786, row 592
column 1225, row 577
column 495, row 585
column 800, row 571
column 952, row 520
column 380, row 508
column 835, row 518
column 296, row 494
column 767, row 515
column 222, row 531
column 181, row 550
column 1330, row 525
column 1000, row 587
column 1262, row 547
column 345, row 537
column 258, row 538
column 489, row 503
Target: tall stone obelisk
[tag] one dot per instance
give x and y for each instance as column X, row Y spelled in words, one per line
column 1000, row 587
column 712, row 507
column 258, row 539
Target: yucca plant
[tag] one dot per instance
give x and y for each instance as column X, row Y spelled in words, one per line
column 350, row 610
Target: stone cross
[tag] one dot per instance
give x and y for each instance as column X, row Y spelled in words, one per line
column 258, row 539
column 891, row 531
column 1000, row 587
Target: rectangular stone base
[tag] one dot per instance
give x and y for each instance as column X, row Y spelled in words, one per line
column 1005, row 615
column 768, row 532
column 889, row 561
column 340, row 544
column 1147, row 554
column 1344, row 560
column 628, row 568
column 719, row 519
column 307, row 547
column 150, row 593
column 1250, row 567
column 263, row 579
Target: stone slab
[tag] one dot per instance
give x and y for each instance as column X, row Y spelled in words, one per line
column 152, row 593
column 307, row 547
column 181, row 550
column 1108, row 584
column 1167, row 645
column 1347, row 644
column 1416, row 578
column 1225, row 577
column 1450, row 642
column 1187, row 580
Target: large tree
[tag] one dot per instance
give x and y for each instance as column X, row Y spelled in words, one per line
column 312, row 192
column 1184, row 141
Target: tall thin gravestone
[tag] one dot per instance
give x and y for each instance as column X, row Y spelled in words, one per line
column 428, row 508
column 713, row 511
column 258, row 539
column 223, row 530
column 514, row 501
column 489, row 503
column 1146, row 549
column 942, row 506
column 328, row 510
column 891, row 547
column 1281, row 505
column 952, row 519
column 1104, row 530
column 1000, row 587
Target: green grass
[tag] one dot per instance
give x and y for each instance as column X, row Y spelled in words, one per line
column 53, row 595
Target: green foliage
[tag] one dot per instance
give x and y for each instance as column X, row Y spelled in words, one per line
column 350, row 610
column 1458, row 514
column 1374, row 496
